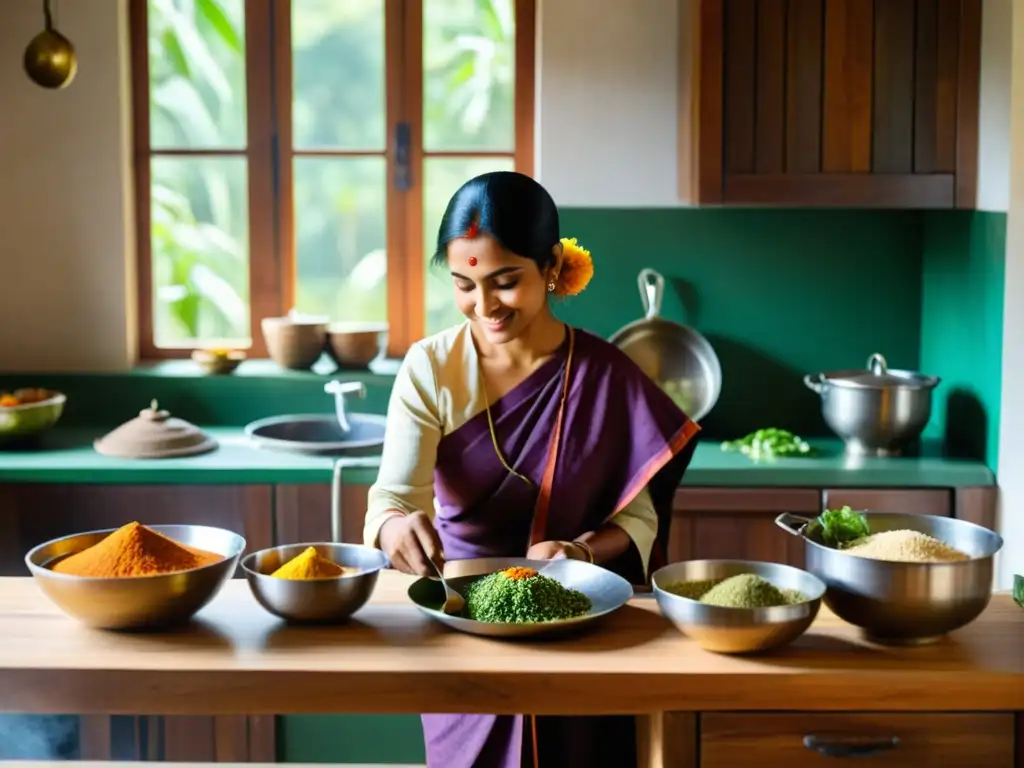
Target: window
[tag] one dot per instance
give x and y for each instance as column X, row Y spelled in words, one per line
column 299, row 154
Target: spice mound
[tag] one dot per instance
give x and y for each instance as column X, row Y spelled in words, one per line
column 310, row 564
column 904, row 547
column 522, row 596
column 135, row 550
column 745, row 590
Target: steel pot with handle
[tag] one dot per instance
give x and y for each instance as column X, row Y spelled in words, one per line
column 876, row 411
column 678, row 358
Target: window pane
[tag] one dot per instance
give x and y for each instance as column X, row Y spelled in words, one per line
column 341, row 230
column 197, row 74
column 469, row 75
column 441, row 177
column 200, row 251
column 338, row 74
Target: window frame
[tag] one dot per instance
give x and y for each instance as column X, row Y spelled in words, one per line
column 269, row 156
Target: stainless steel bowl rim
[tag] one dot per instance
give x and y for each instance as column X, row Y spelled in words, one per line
column 862, row 379
column 770, row 613
column 248, row 559
column 238, row 543
column 808, row 522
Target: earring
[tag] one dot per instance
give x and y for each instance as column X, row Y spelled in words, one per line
column 551, row 286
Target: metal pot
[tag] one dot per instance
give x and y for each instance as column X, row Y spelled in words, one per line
column 678, row 358
column 901, row 603
column 876, row 411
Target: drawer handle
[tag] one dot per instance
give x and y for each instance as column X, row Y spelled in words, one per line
column 839, row 748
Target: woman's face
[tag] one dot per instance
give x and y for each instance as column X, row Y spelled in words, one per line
column 500, row 292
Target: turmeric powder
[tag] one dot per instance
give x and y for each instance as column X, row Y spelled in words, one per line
column 134, row 550
column 311, row 565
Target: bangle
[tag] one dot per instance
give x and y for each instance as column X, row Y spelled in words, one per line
column 586, row 550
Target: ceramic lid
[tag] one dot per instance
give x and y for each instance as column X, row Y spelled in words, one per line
column 155, row 434
column 878, row 376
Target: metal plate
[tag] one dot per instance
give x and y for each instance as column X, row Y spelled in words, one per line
column 607, row 592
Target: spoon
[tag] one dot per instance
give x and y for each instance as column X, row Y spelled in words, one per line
column 453, row 601
column 50, row 59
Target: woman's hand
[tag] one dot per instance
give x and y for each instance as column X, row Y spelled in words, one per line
column 411, row 543
column 556, row 550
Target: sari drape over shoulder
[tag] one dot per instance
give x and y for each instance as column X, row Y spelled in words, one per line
column 622, row 449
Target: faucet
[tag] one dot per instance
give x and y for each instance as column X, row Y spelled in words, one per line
column 339, row 389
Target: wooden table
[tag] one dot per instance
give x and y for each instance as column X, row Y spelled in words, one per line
column 237, row 659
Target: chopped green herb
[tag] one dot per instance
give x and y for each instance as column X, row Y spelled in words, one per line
column 768, row 443
column 522, row 596
column 841, row 526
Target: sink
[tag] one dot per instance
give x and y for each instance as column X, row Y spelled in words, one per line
column 320, row 434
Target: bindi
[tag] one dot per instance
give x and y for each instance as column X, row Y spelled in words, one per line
column 471, row 232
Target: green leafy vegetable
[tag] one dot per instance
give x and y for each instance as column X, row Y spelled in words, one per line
column 1018, row 589
column 841, row 526
column 768, row 443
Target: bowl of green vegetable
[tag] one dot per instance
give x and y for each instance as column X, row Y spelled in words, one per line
column 511, row 597
column 738, row 606
column 903, row 579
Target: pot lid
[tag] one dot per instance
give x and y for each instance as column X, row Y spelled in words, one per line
column 878, row 375
column 155, row 434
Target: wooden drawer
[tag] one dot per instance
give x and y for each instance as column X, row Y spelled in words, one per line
column 730, row 740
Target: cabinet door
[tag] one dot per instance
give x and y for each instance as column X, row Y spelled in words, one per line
column 711, row 523
column 303, row 513
column 831, row 102
column 920, row 501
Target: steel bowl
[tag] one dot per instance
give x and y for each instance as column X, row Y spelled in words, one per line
column 607, row 592
column 876, row 411
column 898, row 603
column 136, row 602
column 738, row 630
column 315, row 601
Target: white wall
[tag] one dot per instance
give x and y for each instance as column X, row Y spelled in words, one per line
column 67, row 290
column 606, row 100
column 994, row 113
column 1011, row 421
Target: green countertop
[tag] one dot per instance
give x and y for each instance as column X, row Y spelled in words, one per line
column 67, row 456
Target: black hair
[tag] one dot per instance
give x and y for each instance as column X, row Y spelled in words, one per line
column 511, row 207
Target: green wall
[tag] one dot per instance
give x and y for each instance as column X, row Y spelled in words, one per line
column 964, row 259
column 778, row 293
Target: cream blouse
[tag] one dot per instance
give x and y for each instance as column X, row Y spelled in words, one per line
column 436, row 391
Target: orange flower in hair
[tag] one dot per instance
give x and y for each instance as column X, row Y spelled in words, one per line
column 577, row 268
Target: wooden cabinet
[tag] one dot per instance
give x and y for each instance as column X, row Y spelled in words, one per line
column 830, row 102
column 36, row 512
column 921, row 501
column 807, row 739
column 303, row 513
column 738, row 523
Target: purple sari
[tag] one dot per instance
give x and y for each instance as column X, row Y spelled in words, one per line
column 617, row 433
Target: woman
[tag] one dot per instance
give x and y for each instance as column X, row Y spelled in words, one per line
column 513, row 434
